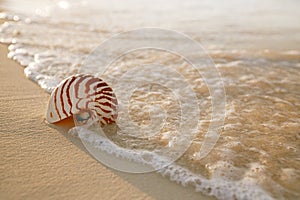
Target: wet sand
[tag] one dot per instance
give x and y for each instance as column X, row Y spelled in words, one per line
column 39, row 162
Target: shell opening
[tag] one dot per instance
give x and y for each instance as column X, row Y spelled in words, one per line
column 83, row 117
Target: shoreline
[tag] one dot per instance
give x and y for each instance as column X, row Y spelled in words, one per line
column 39, row 162
column 258, row 66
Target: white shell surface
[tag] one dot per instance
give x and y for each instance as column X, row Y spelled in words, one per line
column 82, row 92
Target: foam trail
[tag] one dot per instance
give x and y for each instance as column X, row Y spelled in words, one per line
column 218, row 187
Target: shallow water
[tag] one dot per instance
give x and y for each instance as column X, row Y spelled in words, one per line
column 254, row 45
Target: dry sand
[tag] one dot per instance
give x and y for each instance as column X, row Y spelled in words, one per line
column 39, row 162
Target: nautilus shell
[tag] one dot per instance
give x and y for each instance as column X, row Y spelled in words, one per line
column 82, row 97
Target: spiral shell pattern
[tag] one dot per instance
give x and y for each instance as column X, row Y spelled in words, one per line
column 80, row 93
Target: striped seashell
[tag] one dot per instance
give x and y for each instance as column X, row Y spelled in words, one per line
column 82, row 97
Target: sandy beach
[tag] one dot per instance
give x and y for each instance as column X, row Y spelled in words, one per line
column 39, row 162
column 235, row 102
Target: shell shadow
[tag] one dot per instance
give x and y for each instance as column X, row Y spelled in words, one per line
column 64, row 127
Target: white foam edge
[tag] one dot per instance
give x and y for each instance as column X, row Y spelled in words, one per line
column 246, row 188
